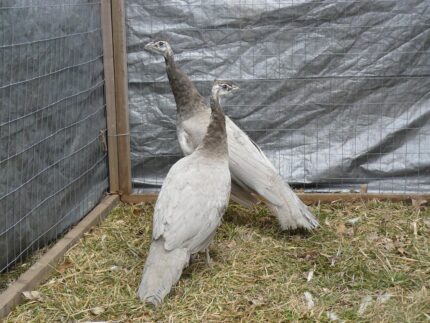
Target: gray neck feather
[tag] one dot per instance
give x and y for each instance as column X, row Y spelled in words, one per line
column 188, row 99
column 215, row 141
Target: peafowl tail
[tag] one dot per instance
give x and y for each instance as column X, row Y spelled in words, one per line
column 162, row 270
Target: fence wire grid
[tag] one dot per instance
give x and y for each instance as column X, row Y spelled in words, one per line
column 53, row 169
column 334, row 92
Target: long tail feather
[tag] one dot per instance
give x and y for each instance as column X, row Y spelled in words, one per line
column 291, row 213
column 253, row 171
column 162, row 270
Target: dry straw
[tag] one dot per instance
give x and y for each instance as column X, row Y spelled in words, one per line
column 369, row 262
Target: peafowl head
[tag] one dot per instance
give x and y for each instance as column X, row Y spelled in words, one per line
column 159, row 47
column 223, row 87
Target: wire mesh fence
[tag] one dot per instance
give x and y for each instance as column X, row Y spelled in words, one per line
column 53, row 169
column 335, row 92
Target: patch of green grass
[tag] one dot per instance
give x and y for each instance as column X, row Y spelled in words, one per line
column 259, row 272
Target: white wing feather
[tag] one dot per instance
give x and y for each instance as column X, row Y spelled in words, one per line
column 249, row 166
column 251, row 169
column 191, row 202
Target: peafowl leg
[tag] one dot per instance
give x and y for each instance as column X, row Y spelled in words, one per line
column 192, row 259
column 209, row 261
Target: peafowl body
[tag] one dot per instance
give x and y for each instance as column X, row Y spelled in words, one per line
column 190, row 206
column 253, row 175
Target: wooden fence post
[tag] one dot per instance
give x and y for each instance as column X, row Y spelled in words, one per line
column 109, row 75
column 121, row 96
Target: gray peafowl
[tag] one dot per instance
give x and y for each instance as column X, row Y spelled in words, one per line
column 189, row 208
column 253, row 175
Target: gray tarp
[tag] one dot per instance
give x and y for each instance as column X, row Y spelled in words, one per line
column 335, row 92
column 53, row 169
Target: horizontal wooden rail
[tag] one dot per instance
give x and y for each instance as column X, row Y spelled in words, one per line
column 139, row 198
column 308, row 198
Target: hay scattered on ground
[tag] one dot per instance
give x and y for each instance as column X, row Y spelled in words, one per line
column 12, row 273
column 368, row 262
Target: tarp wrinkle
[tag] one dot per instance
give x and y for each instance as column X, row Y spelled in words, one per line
column 335, row 93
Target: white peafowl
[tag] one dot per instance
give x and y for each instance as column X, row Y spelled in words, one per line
column 189, row 208
column 253, row 175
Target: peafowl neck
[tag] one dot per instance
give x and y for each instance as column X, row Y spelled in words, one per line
column 215, row 140
column 188, row 99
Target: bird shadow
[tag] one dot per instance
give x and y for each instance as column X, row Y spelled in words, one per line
column 198, row 264
column 259, row 217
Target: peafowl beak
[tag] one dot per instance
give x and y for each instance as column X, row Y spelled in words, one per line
column 149, row 46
